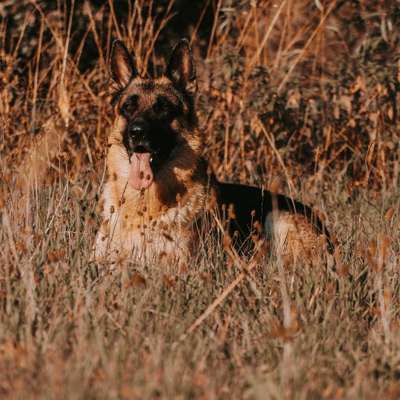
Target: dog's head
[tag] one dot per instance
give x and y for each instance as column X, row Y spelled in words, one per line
column 155, row 117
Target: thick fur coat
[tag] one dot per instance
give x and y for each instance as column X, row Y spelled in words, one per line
column 159, row 186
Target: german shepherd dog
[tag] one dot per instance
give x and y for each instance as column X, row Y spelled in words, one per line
column 159, row 185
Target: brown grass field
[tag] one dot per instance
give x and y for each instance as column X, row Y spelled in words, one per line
column 302, row 96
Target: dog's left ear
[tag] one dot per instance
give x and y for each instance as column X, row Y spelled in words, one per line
column 181, row 69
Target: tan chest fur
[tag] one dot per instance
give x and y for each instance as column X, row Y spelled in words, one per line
column 138, row 225
column 142, row 229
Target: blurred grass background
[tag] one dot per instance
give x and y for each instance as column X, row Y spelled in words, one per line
column 298, row 94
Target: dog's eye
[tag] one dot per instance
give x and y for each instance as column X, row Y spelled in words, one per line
column 130, row 106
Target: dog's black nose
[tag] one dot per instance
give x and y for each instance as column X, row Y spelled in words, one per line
column 138, row 132
column 137, row 137
column 138, row 128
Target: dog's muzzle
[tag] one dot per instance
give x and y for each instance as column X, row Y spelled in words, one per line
column 140, row 154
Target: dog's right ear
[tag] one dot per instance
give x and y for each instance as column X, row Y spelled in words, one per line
column 123, row 66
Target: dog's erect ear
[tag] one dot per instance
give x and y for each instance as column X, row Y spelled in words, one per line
column 181, row 69
column 123, row 67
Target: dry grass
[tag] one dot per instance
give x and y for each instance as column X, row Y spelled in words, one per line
column 302, row 95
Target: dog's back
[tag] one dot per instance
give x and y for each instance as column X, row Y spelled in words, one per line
column 292, row 226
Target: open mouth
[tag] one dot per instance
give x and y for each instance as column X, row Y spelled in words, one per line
column 140, row 174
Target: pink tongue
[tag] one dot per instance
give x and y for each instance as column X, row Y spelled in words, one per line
column 140, row 174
